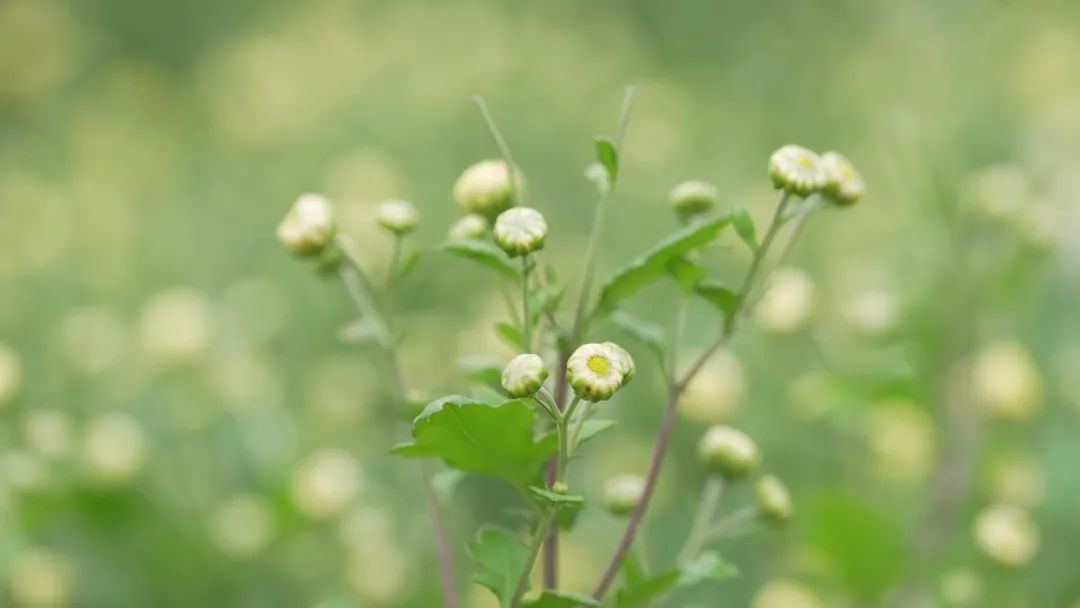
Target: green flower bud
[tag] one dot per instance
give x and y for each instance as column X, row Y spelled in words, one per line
column 520, row 231
column 309, row 225
column 399, row 217
column 843, row 184
column 472, row 226
column 797, row 170
column 692, row 198
column 728, row 452
column 595, row 372
column 486, row 188
column 524, row 375
column 773, row 499
column 623, row 493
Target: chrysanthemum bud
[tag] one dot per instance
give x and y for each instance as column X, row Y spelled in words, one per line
column 486, row 188
column 625, row 361
column 1006, row 381
column 773, row 499
column 729, row 452
column 595, row 372
column 788, row 302
column 524, row 375
column 309, row 225
column 399, row 217
column 623, row 493
column 471, row 226
column 520, row 231
column 797, row 170
column 843, row 184
column 785, row 593
column 692, row 198
column 1006, row 535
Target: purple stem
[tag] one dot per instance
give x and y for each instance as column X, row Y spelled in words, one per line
column 442, row 544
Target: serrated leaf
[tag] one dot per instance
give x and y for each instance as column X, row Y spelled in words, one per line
column 608, row 157
column 482, row 371
column 641, row 589
column 744, row 227
column 499, row 558
column 484, row 253
column 685, row 271
column 720, row 296
column 652, row 264
column 360, row 331
column 650, row 334
column 494, row 440
column 512, row 334
column 561, row 599
column 555, row 498
column 598, row 175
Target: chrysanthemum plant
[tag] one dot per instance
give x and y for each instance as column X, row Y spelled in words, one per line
column 530, row 438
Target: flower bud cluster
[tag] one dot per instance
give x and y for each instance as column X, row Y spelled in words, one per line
column 803, row 172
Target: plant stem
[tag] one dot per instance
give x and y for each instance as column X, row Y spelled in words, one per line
column 526, row 318
column 534, row 550
column 710, row 498
column 443, row 552
column 731, row 522
column 575, row 433
column 517, row 191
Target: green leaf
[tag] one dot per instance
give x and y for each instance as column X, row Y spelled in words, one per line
column 555, row 498
column 482, row 371
column 641, row 589
column 708, row 567
column 744, row 227
column 560, row 599
column 499, row 558
column 650, row 334
column 608, row 157
column 720, row 296
column 495, row 440
column 544, row 300
column 652, row 264
column 592, row 428
column 485, row 253
column 360, row 331
column 408, row 263
column 511, row 334
column 685, row 271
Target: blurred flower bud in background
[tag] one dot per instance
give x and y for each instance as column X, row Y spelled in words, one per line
column 901, row 439
column 48, row 432
column 773, row 498
column 717, row 391
column 114, row 447
column 872, row 313
column 486, row 188
column 788, row 301
column 176, row 328
column 692, row 198
column 242, row 525
column 325, row 483
column 40, row 578
column 471, row 226
column 398, row 216
column 1006, row 382
column 786, row 593
column 622, row 493
column 729, row 452
column 1006, row 535
column 308, row 226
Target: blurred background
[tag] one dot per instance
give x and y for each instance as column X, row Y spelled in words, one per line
column 180, row 424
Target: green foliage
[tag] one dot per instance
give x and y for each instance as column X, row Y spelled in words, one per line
column 485, row 254
column 495, row 440
column 719, row 295
column 498, row 557
column 512, row 334
column 649, row 334
column 360, row 331
column 653, row 264
column 744, row 227
column 556, row 499
column 561, row 599
column 861, row 541
column 641, row 589
column 592, row 428
column 608, row 157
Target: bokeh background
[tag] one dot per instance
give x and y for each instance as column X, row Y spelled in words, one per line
column 180, row 424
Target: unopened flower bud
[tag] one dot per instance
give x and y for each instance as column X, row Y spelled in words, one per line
column 785, row 593
column 399, row 217
column 309, row 225
column 728, row 452
column 520, row 231
column 625, row 361
column 773, row 499
column 1007, row 535
column 486, row 188
column 843, row 184
column 1006, row 381
column 797, row 170
column 524, row 375
column 692, row 198
column 787, row 305
column 595, row 372
column 623, row 493
column 559, row 487
column 471, row 226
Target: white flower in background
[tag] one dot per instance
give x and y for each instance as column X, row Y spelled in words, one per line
column 622, row 493
column 595, row 372
column 176, row 327
column 692, row 198
column 788, row 302
column 797, row 170
column 717, row 391
column 729, row 452
column 471, row 226
column 93, row 339
column 40, row 578
column 1006, row 535
column 486, row 188
column 784, row 593
column 524, row 375
column 625, row 362
column 309, row 225
column 961, row 587
column 773, row 498
column 114, row 447
column 843, row 184
column 1018, row 480
column 242, row 525
column 901, row 439
column 325, row 483
column 397, row 216
column 10, row 374
column 1006, row 381
column 872, row 312
column 520, row 231
column 48, row 432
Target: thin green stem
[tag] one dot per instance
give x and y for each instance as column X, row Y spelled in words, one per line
column 395, row 260
column 699, row 529
column 729, row 524
column 526, row 317
column 534, row 550
column 575, row 432
column 518, row 192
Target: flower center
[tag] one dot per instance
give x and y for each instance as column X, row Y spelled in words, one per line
column 599, row 365
column 806, row 162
